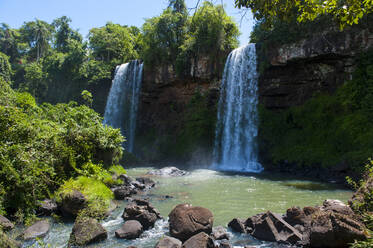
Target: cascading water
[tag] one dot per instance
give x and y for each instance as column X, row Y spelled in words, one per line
column 122, row 103
column 236, row 130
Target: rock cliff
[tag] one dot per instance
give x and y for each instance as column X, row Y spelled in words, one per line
column 295, row 72
column 176, row 116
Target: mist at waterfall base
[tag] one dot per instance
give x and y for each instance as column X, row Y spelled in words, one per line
column 235, row 146
column 122, row 104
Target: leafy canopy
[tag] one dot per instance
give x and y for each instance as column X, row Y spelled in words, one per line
column 345, row 12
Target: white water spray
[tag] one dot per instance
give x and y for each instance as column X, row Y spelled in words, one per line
column 236, row 131
column 122, row 104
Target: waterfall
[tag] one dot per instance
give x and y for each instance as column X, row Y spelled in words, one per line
column 236, row 130
column 123, row 99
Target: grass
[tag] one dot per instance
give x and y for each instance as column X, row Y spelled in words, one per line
column 96, row 192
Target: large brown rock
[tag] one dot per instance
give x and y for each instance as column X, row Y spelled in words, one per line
column 72, row 203
column 37, row 230
column 142, row 211
column 5, row 224
column 168, row 242
column 330, row 229
column 86, row 231
column 237, row 225
column 200, row 240
column 186, row 221
column 131, row 229
column 337, row 206
column 271, row 227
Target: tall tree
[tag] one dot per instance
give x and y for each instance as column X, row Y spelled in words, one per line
column 346, row 12
column 9, row 39
column 64, row 33
column 37, row 34
column 112, row 42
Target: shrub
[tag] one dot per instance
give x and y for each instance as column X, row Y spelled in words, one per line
column 98, row 195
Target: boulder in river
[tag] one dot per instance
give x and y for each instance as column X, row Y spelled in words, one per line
column 219, row 233
column 121, row 192
column 186, row 221
column 142, row 211
column 127, row 180
column 37, row 230
column 200, row 240
column 47, row 207
column 331, row 229
column 72, row 203
column 336, row 206
column 168, row 172
column 331, row 225
column 86, row 231
column 131, row 229
column 237, row 225
column 168, row 242
column 271, row 227
column 6, row 224
column 149, row 183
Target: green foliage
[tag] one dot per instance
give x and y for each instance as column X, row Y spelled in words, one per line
column 64, row 34
column 43, row 146
column 112, row 42
column 362, row 203
column 117, row 170
column 175, row 39
column 163, row 35
column 87, row 97
column 35, row 80
column 98, row 195
column 5, row 69
column 37, row 34
column 345, row 12
column 199, row 129
column 212, row 31
column 327, row 130
column 7, row 242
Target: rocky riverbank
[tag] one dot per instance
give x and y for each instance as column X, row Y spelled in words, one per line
column 139, row 223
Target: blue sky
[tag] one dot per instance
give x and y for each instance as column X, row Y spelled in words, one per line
column 86, row 14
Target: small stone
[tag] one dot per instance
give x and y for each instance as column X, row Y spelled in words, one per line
column 168, row 242
column 6, row 224
column 219, row 233
column 37, row 230
column 131, row 229
column 200, row 240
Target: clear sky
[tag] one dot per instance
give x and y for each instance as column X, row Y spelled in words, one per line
column 86, row 14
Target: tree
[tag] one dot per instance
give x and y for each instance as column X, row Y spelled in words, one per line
column 345, row 12
column 64, row 33
column 9, row 39
column 211, row 33
column 163, row 35
column 37, row 34
column 112, row 42
column 5, row 69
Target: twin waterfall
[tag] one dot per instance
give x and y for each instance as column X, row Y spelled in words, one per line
column 236, row 129
column 123, row 99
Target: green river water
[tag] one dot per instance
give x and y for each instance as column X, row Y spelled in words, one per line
column 226, row 195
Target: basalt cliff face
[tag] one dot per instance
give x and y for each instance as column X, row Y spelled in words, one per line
column 176, row 116
column 295, row 72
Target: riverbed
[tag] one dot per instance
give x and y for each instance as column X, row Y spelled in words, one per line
column 227, row 195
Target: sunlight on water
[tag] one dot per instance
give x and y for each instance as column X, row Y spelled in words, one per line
column 226, row 195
